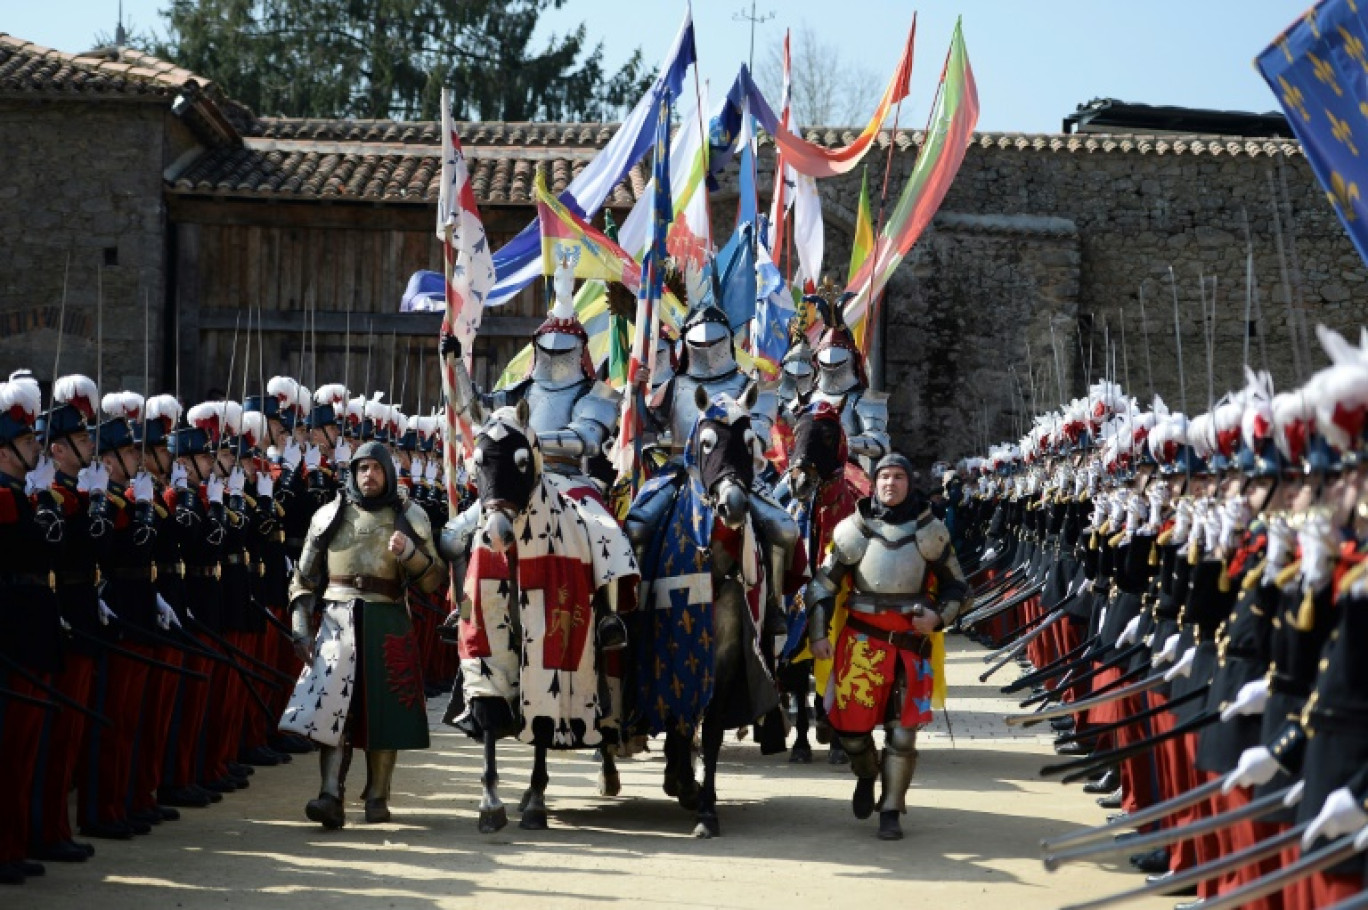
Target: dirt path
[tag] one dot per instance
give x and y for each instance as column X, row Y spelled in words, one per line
column 977, row 812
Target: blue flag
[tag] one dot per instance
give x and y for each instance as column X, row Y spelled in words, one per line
column 1318, row 68
column 735, row 265
column 725, row 130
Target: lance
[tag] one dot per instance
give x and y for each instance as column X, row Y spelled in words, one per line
column 1137, row 819
column 1333, row 854
column 57, row 358
column 1147, row 714
column 1162, row 838
column 1030, row 720
column 1021, row 643
column 1086, row 766
column 56, row 695
column 1177, row 881
column 128, row 654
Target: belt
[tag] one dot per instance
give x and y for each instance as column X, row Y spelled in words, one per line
column 176, row 569
column 903, row 641
column 141, row 573
column 235, row 559
column 77, row 577
column 369, row 584
column 28, row 579
column 1353, row 721
column 202, row 571
column 887, row 603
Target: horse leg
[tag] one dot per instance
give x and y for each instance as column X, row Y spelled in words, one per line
column 609, row 782
column 679, row 770
column 708, row 825
column 533, row 803
column 493, row 815
column 801, row 753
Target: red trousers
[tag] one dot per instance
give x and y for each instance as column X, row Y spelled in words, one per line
column 1241, row 836
column 181, row 762
column 106, row 769
column 50, row 819
column 154, row 727
column 21, row 728
column 227, row 699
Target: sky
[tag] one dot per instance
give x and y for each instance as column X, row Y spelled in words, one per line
column 1034, row 62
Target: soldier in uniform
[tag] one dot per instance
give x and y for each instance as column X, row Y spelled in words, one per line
column 361, row 684
column 890, row 550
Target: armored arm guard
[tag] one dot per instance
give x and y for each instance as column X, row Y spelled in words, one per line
column 311, row 572
column 779, row 533
column 463, row 397
column 647, row 515
column 424, row 569
column 591, row 424
column 848, row 545
column 764, row 415
column 453, row 544
column 933, row 542
column 871, row 416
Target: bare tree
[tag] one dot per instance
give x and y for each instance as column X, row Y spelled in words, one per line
column 828, row 89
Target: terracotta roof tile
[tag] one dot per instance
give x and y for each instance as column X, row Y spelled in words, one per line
column 29, row 67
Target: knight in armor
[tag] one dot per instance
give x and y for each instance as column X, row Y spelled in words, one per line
column 841, row 381
column 361, row 684
column 904, row 584
column 572, row 413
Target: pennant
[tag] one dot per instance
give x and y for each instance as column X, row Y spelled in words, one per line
column 517, row 263
column 948, row 133
column 769, row 337
column 864, row 230
column 817, row 160
column 566, row 235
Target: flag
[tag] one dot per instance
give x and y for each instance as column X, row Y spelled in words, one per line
column 566, row 235
column 779, row 205
column 769, row 337
column 627, row 453
column 426, row 293
column 735, row 265
column 819, row 161
column 948, row 132
column 864, row 229
column 517, row 262
column 1317, row 69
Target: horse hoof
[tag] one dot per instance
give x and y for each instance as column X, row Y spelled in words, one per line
column 533, row 820
column 837, row 756
column 800, row 754
column 688, row 796
column 609, row 783
column 671, row 786
column 707, row 827
column 492, row 820
column 526, row 800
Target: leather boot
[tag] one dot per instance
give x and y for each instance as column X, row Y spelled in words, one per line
column 327, row 809
column 864, row 761
column 379, row 774
column 1104, row 784
column 899, row 766
column 1112, row 800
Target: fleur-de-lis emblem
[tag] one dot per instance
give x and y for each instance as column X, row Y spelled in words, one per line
column 1325, row 73
column 1285, row 48
column 1353, row 46
column 1311, row 23
column 1343, row 195
column 1293, row 98
column 1342, row 131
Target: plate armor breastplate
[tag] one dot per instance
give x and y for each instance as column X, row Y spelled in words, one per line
column 553, row 408
column 892, row 563
column 850, row 421
column 683, row 413
column 360, row 545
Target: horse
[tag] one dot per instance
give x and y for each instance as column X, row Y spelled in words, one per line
column 549, row 568
column 819, row 492
column 709, row 548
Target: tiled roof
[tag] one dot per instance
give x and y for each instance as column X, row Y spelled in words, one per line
column 1158, row 144
column 29, row 67
column 426, row 132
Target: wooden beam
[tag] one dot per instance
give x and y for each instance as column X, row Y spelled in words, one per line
column 407, row 324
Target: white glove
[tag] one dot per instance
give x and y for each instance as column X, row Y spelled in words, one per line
column 1319, row 552
column 214, row 489
column 342, row 452
column 417, row 466
column 1257, row 766
column 1129, row 634
column 292, row 455
column 1184, row 666
column 265, row 484
column 143, row 490
column 41, row 477
column 430, row 471
column 1182, row 522
column 166, row 617
column 1169, row 652
column 104, row 613
column 1281, row 541
column 312, row 458
column 1251, row 699
column 179, row 478
column 237, row 481
column 1234, row 519
column 93, row 477
column 1341, row 814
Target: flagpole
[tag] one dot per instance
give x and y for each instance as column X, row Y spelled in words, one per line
column 873, row 327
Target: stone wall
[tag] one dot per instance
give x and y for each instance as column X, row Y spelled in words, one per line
column 1028, row 237
column 82, row 180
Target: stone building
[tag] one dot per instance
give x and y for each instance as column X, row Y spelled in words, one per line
column 191, row 213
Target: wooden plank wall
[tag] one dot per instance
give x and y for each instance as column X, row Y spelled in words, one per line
column 293, row 269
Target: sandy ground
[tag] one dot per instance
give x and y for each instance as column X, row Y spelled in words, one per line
column 977, row 812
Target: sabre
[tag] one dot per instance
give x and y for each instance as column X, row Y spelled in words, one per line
column 1296, row 265
column 57, row 359
column 346, row 372
column 1254, row 305
column 1147, row 714
column 1197, row 874
column 1144, row 330
column 147, row 380
column 1020, row 645
column 394, row 359
column 408, row 358
column 1145, row 842
column 1337, row 852
column 1292, row 326
column 1030, row 720
column 99, row 356
column 261, row 359
column 1085, row 767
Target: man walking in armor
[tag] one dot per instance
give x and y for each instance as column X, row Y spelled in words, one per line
column 361, row 684
column 892, row 565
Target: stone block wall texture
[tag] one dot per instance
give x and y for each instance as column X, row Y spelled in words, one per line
column 82, row 180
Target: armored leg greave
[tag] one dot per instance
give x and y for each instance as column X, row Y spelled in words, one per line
column 332, row 765
column 899, row 766
column 379, row 773
column 864, row 758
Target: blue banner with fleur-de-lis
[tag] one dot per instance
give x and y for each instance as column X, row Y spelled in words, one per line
column 1318, row 68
